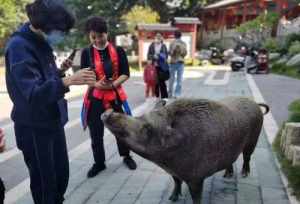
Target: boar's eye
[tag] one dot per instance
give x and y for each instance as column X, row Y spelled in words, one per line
column 148, row 129
column 160, row 104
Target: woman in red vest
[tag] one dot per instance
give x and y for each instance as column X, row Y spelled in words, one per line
column 111, row 66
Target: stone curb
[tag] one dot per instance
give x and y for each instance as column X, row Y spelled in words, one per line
column 271, row 130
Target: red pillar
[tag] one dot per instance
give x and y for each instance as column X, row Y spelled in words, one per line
column 140, row 43
column 244, row 12
column 194, row 40
column 202, row 29
column 223, row 22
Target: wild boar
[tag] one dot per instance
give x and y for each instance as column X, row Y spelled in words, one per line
column 191, row 139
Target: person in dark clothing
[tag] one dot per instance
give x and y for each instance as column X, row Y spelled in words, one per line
column 156, row 51
column 37, row 88
column 111, row 66
column 2, row 187
column 2, row 191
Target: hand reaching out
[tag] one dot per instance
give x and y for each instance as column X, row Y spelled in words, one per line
column 81, row 77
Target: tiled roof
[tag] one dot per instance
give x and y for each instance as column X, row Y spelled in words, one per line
column 186, row 20
column 156, row 27
column 222, row 3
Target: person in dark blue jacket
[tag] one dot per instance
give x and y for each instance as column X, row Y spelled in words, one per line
column 158, row 56
column 37, row 90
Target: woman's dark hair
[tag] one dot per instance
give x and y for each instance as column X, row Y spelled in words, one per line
column 49, row 16
column 96, row 24
column 177, row 34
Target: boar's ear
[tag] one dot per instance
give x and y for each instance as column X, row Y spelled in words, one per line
column 160, row 104
column 171, row 138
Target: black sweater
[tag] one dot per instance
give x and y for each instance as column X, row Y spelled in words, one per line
column 87, row 55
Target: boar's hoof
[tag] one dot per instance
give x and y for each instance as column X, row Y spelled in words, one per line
column 245, row 173
column 228, row 174
column 174, row 197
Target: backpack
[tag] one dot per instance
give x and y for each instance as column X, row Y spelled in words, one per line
column 179, row 49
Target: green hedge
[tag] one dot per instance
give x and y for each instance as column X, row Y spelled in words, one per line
column 283, row 69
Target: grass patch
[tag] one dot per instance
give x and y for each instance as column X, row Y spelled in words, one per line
column 292, row 172
column 282, row 69
column 294, row 109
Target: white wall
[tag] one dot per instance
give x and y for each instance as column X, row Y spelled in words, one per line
column 287, row 27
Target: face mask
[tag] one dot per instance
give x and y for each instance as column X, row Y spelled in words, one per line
column 100, row 48
column 55, row 37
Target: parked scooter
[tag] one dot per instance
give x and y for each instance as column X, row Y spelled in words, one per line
column 216, row 57
column 245, row 59
column 237, row 62
column 262, row 63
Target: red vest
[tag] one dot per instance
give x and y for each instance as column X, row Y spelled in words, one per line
column 107, row 95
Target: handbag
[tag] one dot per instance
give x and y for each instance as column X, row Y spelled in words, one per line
column 163, row 68
column 163, row 75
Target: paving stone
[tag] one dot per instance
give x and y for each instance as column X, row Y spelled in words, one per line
column 273, row 194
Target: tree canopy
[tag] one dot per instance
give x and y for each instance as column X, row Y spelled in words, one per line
column 11, row 15
column 118, row 13
column 259, row 28
column 140, row 14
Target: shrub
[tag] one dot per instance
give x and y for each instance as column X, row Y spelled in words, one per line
column 294, row 48
column 216, row 43
column 292, row 172
column 283, row 69
column 271, row 45
column 291, row 38
column 278, row 67
column 294, row 109
column 191, row 62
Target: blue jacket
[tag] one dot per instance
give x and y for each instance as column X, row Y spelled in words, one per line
column 33, row 81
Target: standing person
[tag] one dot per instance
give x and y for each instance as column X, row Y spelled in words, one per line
column 177, row 53
column 2, row 191
column 37, row 92
column 112, row 70
column 158, row 55
column 2, row 187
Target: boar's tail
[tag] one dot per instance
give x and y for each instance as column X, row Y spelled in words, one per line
column 265, row 106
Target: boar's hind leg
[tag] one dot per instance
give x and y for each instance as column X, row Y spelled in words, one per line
column 246, row 164
column 228, row 172
column 248, row 150
column 196, row 191
column 246, row 157
column 177, row 189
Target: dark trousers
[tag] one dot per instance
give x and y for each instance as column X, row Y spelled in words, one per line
column 2, row 191
column 161, row 89
column 161, row 86
column 96, row 128
column 45, row 154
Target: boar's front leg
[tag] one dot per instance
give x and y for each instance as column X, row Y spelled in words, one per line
column 177, row 189
column 196, row 188
column 228, row 172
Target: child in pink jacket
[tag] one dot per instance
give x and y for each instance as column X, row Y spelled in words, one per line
column 2, row 141
column 150, row 79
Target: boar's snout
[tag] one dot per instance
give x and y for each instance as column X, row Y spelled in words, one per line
column 106, row 115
